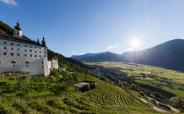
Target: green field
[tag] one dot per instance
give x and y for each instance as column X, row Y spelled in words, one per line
column 177, row 78
column 158, row 85
column 22, row 94
column 37, row 95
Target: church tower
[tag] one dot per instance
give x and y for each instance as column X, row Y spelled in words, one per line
column 17, row 31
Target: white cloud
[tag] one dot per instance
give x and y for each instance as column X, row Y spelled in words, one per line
column 110, row 47
column 9, row 2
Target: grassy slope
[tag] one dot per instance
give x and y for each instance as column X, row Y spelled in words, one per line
column 105, row 98
column 56, row 94
column 137, row 69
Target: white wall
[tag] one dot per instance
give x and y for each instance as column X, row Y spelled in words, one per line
column 17, row 33
column 36, row 56
column 54, row 63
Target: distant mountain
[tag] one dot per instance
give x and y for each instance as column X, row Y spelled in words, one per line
column 103, row 56
column 168, row 55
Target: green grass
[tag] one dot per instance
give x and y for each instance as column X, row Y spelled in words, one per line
column 137, row 69
column 104, row 99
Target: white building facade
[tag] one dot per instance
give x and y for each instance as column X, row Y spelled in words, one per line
column 18, row 54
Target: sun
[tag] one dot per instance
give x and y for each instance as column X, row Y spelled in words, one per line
column 135, row 43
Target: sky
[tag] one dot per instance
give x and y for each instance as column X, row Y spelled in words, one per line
column 73, row 27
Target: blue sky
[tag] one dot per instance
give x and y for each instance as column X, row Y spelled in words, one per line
column 74, row 27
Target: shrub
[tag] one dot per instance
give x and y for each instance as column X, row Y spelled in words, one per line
column 85, row 88
column 51, row 103
column 12, row 78
column 58, row 88
column 20, row 93
column 177, row 102
column 2, row 111
column 8, row 88
column 21, row 106
column 133, row 86
column 23, row 78
column 92, row 85
column 157, row 95
column 40, row 106
column 142, row 93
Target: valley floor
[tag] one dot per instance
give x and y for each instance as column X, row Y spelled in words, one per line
column 57, row 94
column 157, row 86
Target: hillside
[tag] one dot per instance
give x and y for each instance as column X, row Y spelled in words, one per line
column 104, row 56
column 137, row 71
column 152, row 82
column 167, row 55
column 56, row 94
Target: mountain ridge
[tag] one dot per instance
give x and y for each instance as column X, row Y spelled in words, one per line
column 110, row 56
column 167, row 55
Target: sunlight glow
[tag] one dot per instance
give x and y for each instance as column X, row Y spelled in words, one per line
column 135, row 44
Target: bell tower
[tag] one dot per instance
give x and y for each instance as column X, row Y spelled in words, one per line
column 17, row 31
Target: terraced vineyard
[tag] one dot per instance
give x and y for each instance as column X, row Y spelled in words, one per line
column 57, row 95
column 117, row 99
column 175, row 83
column 158, row 86
column 104, row 99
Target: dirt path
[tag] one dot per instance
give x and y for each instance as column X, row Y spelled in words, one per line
column 159, row 109
column 154, row 107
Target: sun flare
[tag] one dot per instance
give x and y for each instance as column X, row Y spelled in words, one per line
column 135, row 44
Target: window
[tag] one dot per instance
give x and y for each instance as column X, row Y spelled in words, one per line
column 35, row 55
column 5, row 47
column 4, row 53
column 13, row 63
column 18, row 49
column 12, row 44
column 31, row 47
column 35, row 51
column 25, row 45
column 27, row 63
column 5, row 42
column 42, row 64
column 31, row 55
column 25, row 55
column 18, row 44
column 18, row 54
column 12, row 48
column 40, row 52
column 12, row 54
column 39, row 55
column 25, row 50
column 30, row 50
